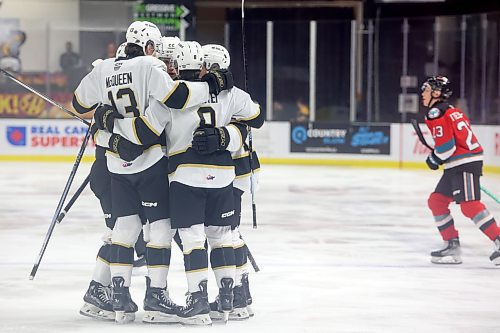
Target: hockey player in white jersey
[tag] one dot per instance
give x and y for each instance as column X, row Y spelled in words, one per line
column 217, row 57
column 129, row 86
column 200, row 184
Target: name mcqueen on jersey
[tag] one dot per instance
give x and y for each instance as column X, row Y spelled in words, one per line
column 118, row 79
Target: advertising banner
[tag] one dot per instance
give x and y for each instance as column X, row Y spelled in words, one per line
column 42, row 137
column 342, row 139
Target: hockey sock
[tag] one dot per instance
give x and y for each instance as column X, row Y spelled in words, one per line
column 158, row 261
column 102, row 272
column 223, row 263
column 481, row 217
column 195, row 255
column 121, row 260
column 438, row 204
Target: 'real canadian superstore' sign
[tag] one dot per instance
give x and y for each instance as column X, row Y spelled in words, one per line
column 48, row 136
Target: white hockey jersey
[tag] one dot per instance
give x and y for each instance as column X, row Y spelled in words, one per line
column 185, row 164
column 130, row 85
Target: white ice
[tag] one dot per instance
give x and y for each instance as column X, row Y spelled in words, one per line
column 340, row 250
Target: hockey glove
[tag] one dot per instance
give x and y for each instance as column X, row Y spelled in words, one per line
column 105, row 116
column 124, row 148
column 433, row 162
column 218, row 80
column 209, row 140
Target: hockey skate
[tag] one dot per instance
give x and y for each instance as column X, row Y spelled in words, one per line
column 240, row 307
column 223, row 305
column 158, row 306
column 197, row 309
column 123, row 305
column 450, row 254
column 97, row 302
column 246, row 286
column 495, row 256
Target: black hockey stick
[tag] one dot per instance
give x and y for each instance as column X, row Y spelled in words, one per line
column 250, row 256
column 250, row 141
column 421, row 138
column 73, row 199
column 59, row 205
column 39, row 94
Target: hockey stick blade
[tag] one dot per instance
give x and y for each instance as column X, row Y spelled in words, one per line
column 42, row 96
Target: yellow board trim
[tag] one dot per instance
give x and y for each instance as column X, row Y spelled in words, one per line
column 43, row 158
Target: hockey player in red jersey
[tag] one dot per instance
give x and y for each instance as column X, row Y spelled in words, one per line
column 458, row 150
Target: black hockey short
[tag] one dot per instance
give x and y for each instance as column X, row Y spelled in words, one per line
column 237, row 195
column 146, row 191
column 462, row 183
column 100, row 184
column 195, row 205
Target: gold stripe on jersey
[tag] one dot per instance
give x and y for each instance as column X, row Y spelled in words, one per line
column 83, row 105
column 240, row 156
column 239, row 133
column 145, row 150
column 251, row 117
column 200, row 166
column 179, row 151
column 149, row 125
column 170, row 92
column 178, row 97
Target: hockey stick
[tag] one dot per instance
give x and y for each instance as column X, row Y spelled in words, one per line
column 421, row 138
column 73, row 199
column 250, row 141
column 62, row 108
column 59, row 205
column 250, row 256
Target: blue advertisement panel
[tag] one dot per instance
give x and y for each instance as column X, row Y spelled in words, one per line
column 340, row 139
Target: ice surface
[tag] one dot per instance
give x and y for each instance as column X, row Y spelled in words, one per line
column 340, row 250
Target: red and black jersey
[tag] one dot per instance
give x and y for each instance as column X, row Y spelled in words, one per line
column 455, row 143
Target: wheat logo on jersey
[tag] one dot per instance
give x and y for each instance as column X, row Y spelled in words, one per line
column 149, row 204
column 16, row 135
column 434, row 113
column 210, row 177
column 227, row 214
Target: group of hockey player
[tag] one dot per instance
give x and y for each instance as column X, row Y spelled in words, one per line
column 172, row 160
column 458, row 150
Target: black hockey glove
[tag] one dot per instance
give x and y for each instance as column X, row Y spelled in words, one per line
column 105, row 116
column 218, row 80
column 433, row 162
column 209, row 140
column 127, row 150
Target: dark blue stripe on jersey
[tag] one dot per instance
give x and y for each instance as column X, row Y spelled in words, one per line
column 447, row 225
column 104, row 252
column 258, row 121
column 179, row 97
column 242, row 128
column 197, row 259
column 240, row 256
column 242, row 164
column 100, row 153
column 144, row 133
column 221, row 257
column 190, row 156
column 487, row 224
column 458, row 157
column 155, row 257
column 80, row 108
column 121, row 255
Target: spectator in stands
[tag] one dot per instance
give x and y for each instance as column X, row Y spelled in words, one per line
column 71, row 64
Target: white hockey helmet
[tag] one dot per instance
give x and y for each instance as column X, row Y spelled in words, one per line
column 120, row 51
column 216, row 54
column 142, row 32
column 188, row 56
column 168, row 45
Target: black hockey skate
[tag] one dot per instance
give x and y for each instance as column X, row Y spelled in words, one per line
column 495, row 256
column 240, row 311
column 449, row 255
column 246, row 286
column 197, row 309
column 219, row 310
column 97, row 302
column 158, row 306
column 123, row 305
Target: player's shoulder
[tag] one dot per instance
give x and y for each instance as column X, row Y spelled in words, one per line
column 438, row 110
column 151, row 61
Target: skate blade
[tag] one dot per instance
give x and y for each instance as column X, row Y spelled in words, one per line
column 92, row 311
column 216, row 315
column 496, row 261
column 239, row 314
column 250, row 311
column 122, row 317
column 198, row 320
column 446, row 260
column 157, row 317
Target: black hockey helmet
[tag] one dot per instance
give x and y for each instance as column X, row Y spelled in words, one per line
column 440, row 83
